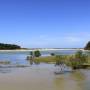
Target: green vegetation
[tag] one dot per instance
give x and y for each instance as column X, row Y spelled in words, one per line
column 34, row 55
column 78, row 60
column 37, row 53
column 59, row 59
column 75, row 61
column 8, row 46
column 52, row 54
column 5, row 62
column 48, row 59
column 31, row 53
column 87, row 47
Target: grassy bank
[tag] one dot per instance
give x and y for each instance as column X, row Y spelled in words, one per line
column 89, row 59
column 52, row 59
column 76, row 60
column 5, row 62
column 68, row 59
column 48, row 59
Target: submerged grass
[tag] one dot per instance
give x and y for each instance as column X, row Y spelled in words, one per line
column 48, row 59
column 5, row 62
column 89, row 59
column 52, row 59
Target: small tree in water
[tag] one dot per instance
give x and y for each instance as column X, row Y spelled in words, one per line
column 78, row 60
column 37, row 53
column 32, row 56
column 52, row 54
column 59, row 59
column 82, row 57
column 31, row 53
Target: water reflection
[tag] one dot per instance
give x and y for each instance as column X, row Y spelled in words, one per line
column 5, row 70
column 42, row 77
column 10, row 68
column 72, row 81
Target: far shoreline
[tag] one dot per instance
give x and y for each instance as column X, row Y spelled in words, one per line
column 46, row 49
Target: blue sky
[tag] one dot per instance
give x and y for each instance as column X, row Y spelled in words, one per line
column 45, row 23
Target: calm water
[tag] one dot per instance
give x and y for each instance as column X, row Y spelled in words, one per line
column 20, row 57
column 40, row 77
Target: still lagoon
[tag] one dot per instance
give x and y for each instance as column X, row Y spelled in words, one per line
column 42, row 76
column 19, row 57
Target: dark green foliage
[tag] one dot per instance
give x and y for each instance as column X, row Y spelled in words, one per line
column 59, row 59
column 31, row 53
column 8, row 46
column 37, row 53
column 31, row 57
column 81, row 56
column 78, row 60
column 87, row 47
column 52, row 54
column 75, row 61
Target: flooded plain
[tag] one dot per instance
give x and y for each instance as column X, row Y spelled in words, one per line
column 42, row 77
column 39, row 77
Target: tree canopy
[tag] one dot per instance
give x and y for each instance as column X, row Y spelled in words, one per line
column 37, row 53
column 8, row 46
column 87, row 47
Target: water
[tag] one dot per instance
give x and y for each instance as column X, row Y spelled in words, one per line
column 17, row 57
column 40, row 77
column 20, row 57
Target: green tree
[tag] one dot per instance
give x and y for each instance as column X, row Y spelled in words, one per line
column 59, row 59
column 78, row 60
column 31, row 53
column 81, row 57
column 37, row 53
column 79, row 54
column 52, row 54
column 8, row 46
column 31, row 57
column 87, row 47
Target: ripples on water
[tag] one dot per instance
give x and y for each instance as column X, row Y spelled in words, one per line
column 20, row 57
column 40, row 77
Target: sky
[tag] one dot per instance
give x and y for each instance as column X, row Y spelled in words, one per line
column 45, row 23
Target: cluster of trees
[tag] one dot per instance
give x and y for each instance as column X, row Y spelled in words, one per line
column 8, row 46
column 36, row 53
column 78, row 60
column 87, row 47
column 33, row 55
column 75, row 61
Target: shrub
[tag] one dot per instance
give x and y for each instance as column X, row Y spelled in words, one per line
column 52, row 54
column 37, row 53
column 59, row 59
column 78, row 60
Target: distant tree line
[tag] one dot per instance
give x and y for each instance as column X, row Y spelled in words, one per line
column 87, row 47
column 8, row 46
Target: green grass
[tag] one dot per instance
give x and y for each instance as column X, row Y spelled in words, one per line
column 48, row 59
column 5, row 62
column 52, row 59
column 89, row 59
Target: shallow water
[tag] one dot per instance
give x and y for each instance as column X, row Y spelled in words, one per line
column 17, row 57
column 39, row 77
column 42, row 77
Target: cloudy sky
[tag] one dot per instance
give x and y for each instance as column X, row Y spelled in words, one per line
column 45, row 23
